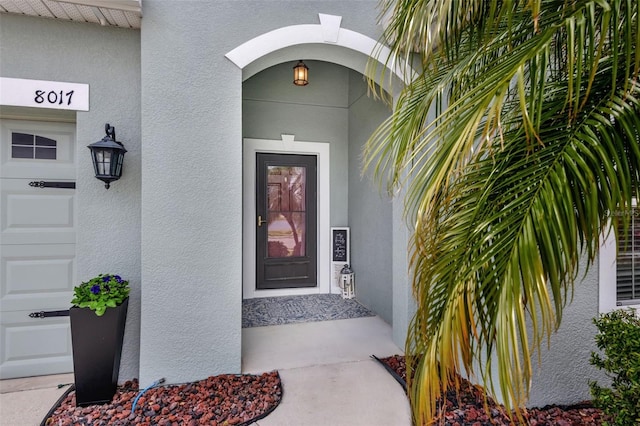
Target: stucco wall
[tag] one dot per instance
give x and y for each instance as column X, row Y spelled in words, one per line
column 191, row 188
column 108, row 59
column 563, row 375
column 370, row 209
column 273, row 105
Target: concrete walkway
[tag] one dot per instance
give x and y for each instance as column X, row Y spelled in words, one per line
column 327, row 375
column 25, row 402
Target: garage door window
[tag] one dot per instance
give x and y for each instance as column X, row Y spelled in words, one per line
column 25, row 145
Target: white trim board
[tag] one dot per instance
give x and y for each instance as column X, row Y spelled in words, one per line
column 607, row 271
column 286, row 145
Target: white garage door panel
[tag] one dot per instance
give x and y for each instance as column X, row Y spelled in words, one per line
column 37, row 277
column 36, row 367
column 37, row 247
column 53, row 340
column 63, row 167
column 25, row 276
column 25, row 211
column 20, row 357
column 36, row 215
column 14, row 370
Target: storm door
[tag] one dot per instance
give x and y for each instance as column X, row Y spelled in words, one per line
column 286, row 201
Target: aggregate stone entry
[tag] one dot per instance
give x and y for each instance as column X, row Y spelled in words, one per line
column 217, row 400
column 467, row 408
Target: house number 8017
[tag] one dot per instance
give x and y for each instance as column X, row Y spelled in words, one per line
column 53, row 97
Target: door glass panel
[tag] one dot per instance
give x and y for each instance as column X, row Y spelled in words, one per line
column 286, row 206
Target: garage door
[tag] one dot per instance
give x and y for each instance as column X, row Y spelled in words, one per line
column 37, row 246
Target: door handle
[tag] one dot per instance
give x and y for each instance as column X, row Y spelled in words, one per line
column 261, row 221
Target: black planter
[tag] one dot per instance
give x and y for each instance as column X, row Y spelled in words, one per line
column 97, row 346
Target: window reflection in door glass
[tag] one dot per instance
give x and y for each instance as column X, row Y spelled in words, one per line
column 286, row 207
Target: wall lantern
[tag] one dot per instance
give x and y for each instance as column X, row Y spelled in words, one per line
column 107, row 156
column 347, row 282
column 300, row 74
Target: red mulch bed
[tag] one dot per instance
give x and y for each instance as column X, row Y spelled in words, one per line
column 217, row 400
column 467, row 408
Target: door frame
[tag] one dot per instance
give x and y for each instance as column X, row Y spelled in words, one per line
column 285, row 146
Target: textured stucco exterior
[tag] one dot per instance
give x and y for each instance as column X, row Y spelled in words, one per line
column 192, row 115
column 562, row 376
column 108, row 59
column 191, row 192
column 173, row 224
column 370, row 209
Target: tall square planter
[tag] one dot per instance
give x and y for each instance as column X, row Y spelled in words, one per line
column 97, row 347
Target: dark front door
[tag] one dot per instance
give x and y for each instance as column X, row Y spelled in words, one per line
column 286, row 221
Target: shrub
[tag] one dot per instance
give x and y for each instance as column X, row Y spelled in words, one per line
column 619, row 339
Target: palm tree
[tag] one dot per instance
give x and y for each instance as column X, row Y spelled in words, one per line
column 517, row 138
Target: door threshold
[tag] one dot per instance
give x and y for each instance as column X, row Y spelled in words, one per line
column 284, row 292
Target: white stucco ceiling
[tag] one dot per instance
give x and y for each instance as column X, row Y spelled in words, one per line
column 118, row 13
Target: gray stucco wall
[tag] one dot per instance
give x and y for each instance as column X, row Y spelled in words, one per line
column 273, row 105
column 563, row 375
column 370, row 210
column 404, row 304
column 191, row 188
column 108, row 59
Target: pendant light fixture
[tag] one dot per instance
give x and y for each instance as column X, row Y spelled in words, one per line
column 300, row 74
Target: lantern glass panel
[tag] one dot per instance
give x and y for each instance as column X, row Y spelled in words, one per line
column 97, row 161
column 119, row 164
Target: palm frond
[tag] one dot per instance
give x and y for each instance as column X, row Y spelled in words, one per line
column 516, row 142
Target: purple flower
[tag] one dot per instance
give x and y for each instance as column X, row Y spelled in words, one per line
column 118, row 279
column 106, row 278
column 95, row 289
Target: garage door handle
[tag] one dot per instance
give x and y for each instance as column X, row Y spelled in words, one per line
column 45, row 184
column 47, row 314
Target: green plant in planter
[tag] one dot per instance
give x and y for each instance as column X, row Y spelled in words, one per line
column 102, row 292
column 619, row 340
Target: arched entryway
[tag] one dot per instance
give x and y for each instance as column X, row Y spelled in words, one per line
column 330, row 118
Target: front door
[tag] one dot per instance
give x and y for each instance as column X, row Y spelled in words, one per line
column 286, row 240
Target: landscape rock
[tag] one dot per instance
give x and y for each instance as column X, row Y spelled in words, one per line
column 226, row 399
column 468, row 408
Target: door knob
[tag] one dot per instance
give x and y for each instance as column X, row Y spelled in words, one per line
column 260, row 221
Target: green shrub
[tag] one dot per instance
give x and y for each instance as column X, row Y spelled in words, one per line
column 619, row 339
